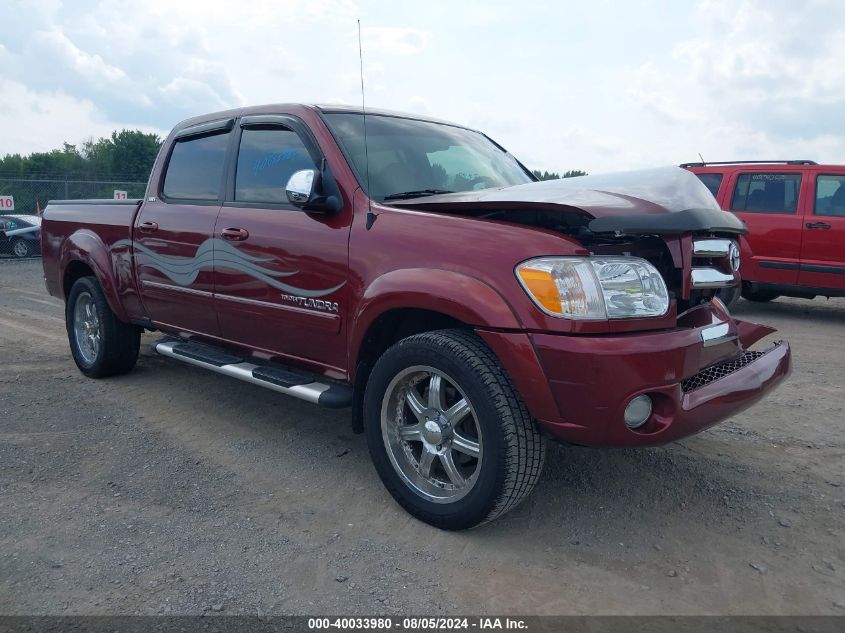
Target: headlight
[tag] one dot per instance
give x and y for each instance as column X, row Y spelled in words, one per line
column 594, row 287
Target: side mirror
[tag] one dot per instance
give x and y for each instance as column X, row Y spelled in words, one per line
column 304, row 190
column 301, row 187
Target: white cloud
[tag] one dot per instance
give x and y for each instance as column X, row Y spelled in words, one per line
column 55, row 45
column 393, row 40
column 760, row 79
column 42, row 121
column 596, row 86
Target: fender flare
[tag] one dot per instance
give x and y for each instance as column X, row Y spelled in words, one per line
column 471, row 301
column 86, row 246
column 455, row 294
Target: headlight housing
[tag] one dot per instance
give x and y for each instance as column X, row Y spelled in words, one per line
column 598, row 287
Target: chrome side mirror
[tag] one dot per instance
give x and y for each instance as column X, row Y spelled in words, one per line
column 301, row 186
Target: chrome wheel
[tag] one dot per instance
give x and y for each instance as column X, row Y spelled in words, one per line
column 431, row 433
column 86, row 327
column 20, row 249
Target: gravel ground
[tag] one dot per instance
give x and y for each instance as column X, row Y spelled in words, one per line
column 173, row 490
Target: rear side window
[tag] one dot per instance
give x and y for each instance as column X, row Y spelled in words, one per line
column 266, row 160
column 830, row 195
column 195, row 170
column 767, row 193
column 711, row 181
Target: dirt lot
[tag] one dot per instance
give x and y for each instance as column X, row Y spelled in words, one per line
column 172, row 490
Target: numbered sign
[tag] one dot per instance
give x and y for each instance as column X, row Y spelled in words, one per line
column 119, row 195
column 7, row 203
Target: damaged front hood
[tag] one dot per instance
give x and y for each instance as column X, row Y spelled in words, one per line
column 665, row 200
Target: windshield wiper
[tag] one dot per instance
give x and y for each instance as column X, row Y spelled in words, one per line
column 416, row 194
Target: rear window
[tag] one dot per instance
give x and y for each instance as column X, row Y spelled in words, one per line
column 711, row 181
column 767, row 193
column 830, row 195
column 195, row 170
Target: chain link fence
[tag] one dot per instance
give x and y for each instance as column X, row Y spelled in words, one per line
column 31, row 194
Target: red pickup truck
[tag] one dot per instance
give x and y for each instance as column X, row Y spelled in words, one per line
column 415, row 271
column 795, row 213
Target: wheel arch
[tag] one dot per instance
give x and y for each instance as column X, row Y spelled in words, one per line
column 411, row 301
column 84, row 254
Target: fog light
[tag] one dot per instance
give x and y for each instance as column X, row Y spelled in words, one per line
column 638, row 411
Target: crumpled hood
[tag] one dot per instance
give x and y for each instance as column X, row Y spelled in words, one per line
column 632, row 201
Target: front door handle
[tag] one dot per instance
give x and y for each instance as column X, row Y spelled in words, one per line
column 235, row 235
column 817, row 225
column 148, row 227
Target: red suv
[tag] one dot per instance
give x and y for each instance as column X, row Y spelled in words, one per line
column 795, row 212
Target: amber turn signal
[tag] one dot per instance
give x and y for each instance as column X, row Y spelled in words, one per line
column 542, row 287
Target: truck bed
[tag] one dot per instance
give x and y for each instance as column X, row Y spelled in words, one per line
column 67, row 224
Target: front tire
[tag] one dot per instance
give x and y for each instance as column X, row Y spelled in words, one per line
column 100, row 343
column 21, row 248
column 448, row 433
column 729, row 296
column 758, row 296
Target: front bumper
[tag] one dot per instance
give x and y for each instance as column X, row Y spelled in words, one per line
column 589, row 380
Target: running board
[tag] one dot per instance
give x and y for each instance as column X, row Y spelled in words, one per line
column 282, row 379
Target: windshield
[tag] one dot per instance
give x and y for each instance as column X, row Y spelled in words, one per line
column 410, row 158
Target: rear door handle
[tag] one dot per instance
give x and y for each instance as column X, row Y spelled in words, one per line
column 148, row 227
column 235, row 235
column 817, row 225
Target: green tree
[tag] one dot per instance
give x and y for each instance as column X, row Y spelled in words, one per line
column 553, row 175
column 127, row 154
column 124, row 159
column 574, row 173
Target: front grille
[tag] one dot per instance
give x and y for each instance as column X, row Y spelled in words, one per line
column 715, row 372
column 713, row 265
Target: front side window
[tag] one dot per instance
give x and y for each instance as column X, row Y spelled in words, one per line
column 195, row 169
column 830, row 195
column 266, row 160
column 767, row 193
column 409, row 158
column 711, row 181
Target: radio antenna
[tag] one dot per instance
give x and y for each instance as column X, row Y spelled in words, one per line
column 371, row 217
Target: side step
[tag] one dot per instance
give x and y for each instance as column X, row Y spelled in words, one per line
column 285, row 380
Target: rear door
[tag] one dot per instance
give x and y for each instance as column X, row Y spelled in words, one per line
column 172, row 237
column 768, row 202
column 281, row 274
column 823, row 244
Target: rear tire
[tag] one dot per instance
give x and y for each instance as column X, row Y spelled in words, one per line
column 758, row 296
column 100, row 343
column 451, row 465
column 21, row 248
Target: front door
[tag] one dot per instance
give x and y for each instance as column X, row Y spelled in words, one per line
column 172, row 236
column 823, row 245
column 768, row 204
column 280, row 273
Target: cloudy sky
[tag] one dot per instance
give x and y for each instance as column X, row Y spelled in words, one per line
column 594, row 85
